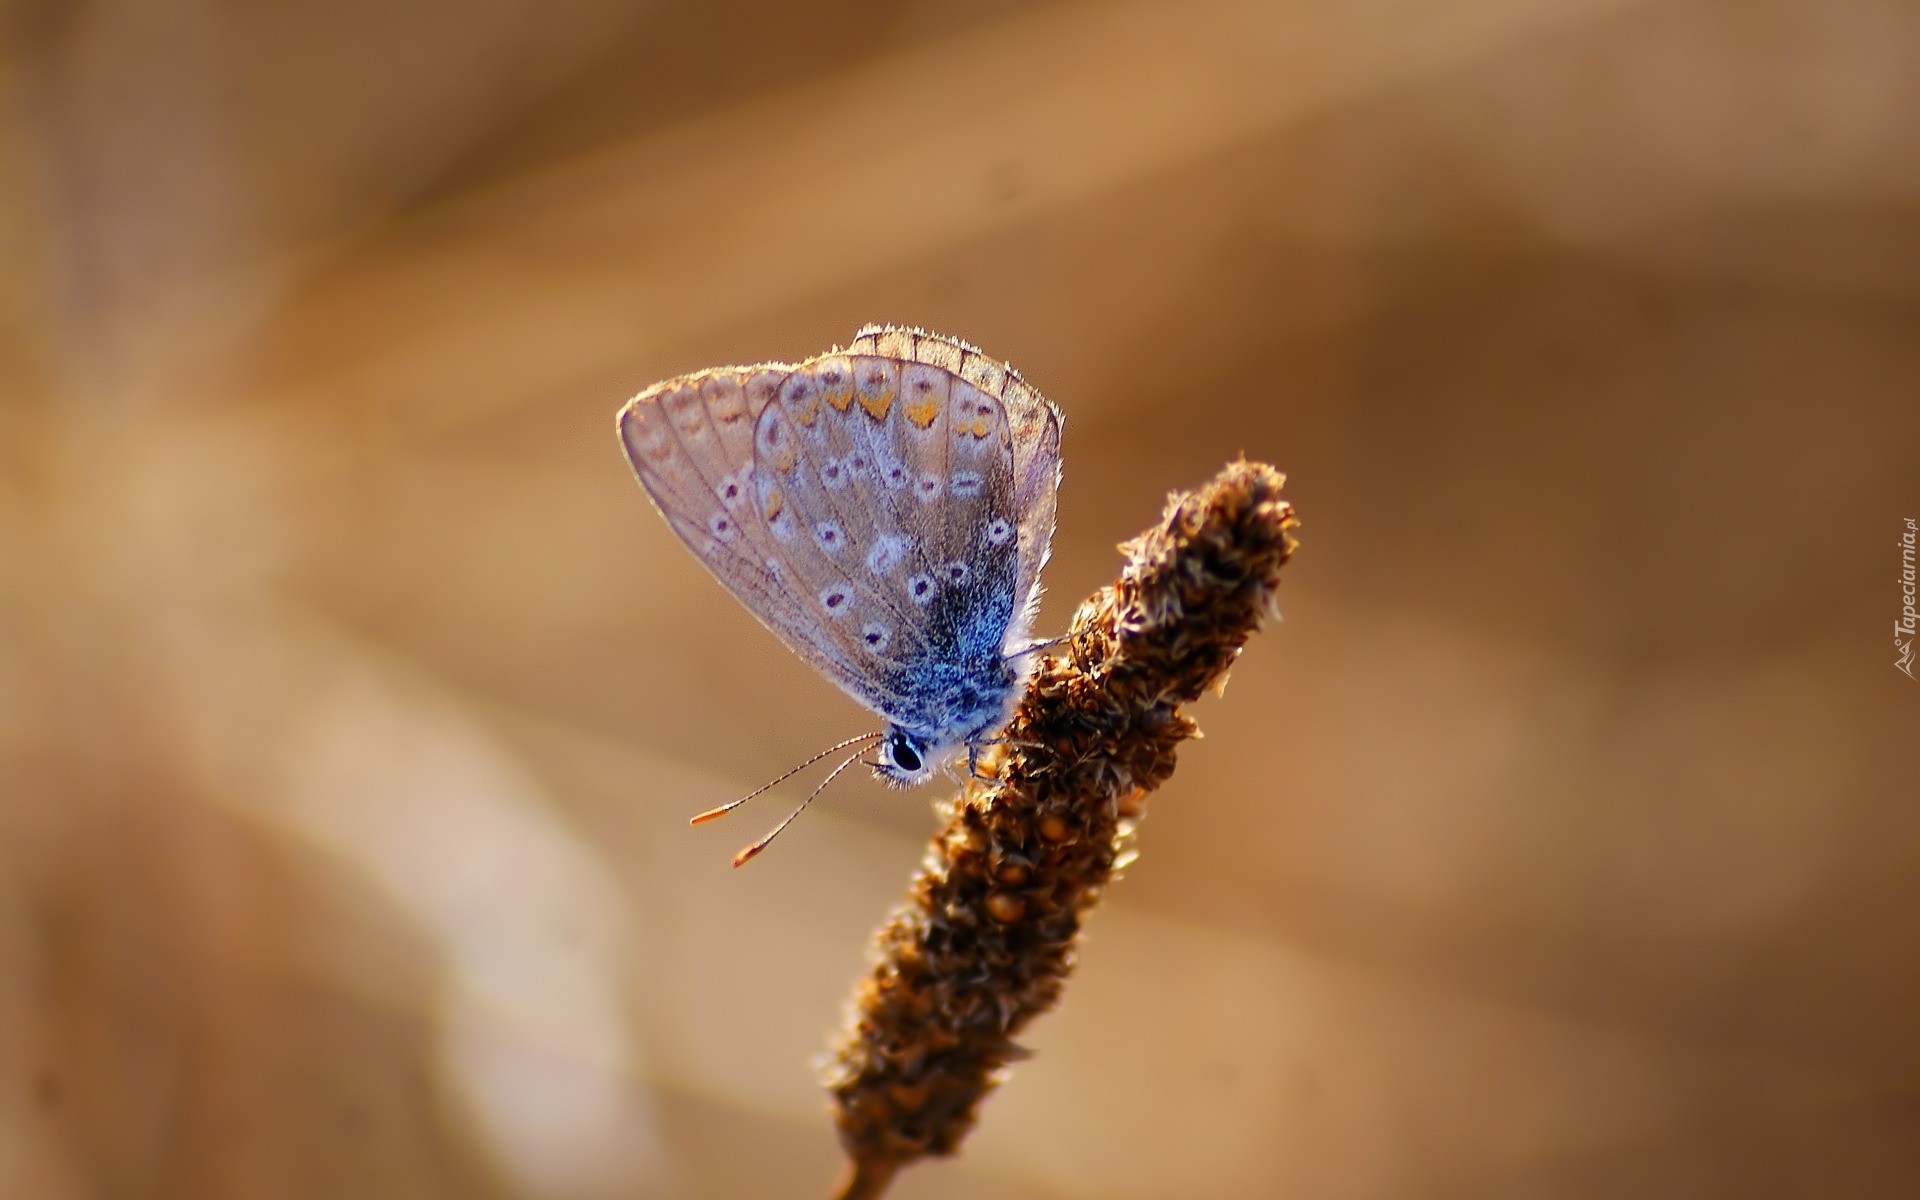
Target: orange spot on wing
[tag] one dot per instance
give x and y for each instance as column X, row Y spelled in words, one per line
column 923, row 413
column 835, row 379
column 775, row 505
column 878, row 405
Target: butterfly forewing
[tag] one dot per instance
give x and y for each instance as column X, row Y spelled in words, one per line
column 690, row 441
column 823, row 502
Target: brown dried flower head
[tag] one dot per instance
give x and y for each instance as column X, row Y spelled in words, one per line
column 985, row 940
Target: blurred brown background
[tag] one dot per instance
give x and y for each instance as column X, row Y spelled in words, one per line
column 1561, row 842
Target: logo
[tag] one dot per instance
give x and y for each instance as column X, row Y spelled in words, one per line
column 1904, row 626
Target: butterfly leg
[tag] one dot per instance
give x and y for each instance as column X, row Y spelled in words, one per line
column 1046, row 644
column 973, row 753
column 973, row 759
column 1007, row 741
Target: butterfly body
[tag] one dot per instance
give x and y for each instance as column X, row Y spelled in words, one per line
column 885, row 510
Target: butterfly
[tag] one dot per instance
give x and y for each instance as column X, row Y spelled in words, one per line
column 885, row 510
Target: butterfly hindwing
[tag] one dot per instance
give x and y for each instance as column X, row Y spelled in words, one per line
column 1034, row 424
column 889, row 487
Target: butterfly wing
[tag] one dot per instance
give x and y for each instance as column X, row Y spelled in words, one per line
column 690, row 442
column 888, row 486
column 1035, row 426
column 885, row 511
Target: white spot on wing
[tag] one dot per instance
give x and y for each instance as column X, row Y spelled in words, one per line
column 887, row 552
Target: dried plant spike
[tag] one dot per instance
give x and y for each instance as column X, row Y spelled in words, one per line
column 986, row 938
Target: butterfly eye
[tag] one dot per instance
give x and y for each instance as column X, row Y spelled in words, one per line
column 929, row 487
column 998, row 531
column 956, row 573
column 920, row 588
column 904, row 755
column 830, row 536
column 721, row 527
column 835, row 600
column 966, row 483
column 876, row 636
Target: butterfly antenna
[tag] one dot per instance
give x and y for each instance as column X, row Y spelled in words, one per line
column 742, row 858
column 728, row 807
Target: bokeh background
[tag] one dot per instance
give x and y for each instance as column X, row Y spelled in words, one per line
column 1562, row 841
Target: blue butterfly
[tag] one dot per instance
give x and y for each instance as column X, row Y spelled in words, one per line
column 885, row 510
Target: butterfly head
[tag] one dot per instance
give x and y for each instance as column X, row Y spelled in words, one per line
column 903, row 759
